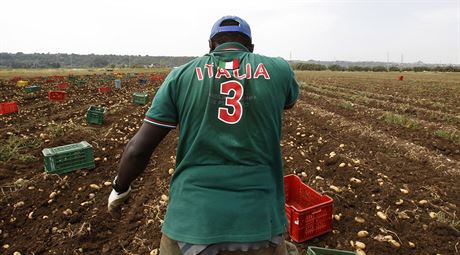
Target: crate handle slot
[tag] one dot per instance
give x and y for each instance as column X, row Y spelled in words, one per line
column 318, row 211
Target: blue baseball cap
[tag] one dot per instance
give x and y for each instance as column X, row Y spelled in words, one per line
column 242, row 27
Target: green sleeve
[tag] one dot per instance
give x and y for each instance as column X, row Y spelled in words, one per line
column 163, row 111
column 292, row 88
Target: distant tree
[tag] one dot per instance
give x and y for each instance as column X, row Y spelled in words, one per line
column 309, row 66
column 99, row 62
column 421, row 68
column 336, row 68
column 394, row 68
column 55, row 65
column 379, row 69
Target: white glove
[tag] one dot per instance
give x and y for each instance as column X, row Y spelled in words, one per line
column 116, row 201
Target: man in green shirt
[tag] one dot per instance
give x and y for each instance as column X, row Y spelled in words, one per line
column 226, row 194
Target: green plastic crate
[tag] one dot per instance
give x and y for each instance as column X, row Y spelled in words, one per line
column 95, row 115
column 67, row 158
column 79, row 83
column 32, row 88
column 313, row 250
column 140, row 98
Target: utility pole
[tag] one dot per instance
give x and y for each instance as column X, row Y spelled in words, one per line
column 71, row 63
column 388, row 61
column 402, row 61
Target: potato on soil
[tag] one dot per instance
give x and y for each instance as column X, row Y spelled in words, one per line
column 363, row 233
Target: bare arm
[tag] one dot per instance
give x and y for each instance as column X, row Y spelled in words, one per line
column 137, row 154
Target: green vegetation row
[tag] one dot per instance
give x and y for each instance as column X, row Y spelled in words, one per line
column 401, row 120
column 430, row 115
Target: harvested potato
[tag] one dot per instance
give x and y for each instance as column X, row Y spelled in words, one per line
column 382, row 215
column 355, row 180
column 52, row 195
column 360, row 252
column 337, row 217
column 404, row 191
column 360, row 245
column 359, row 219
column 335, row 188
column 395, row 243
column 363, row 233
column 422, row 202
column 94, row 186
column 399, row 202
column 19, row 204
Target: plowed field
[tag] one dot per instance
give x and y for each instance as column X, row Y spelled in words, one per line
column 376, row 145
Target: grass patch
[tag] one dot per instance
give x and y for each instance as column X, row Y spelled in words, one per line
column 401, row 120
column 58, row 130
column 453, row 136
column 16, row 147
column 450, row 220
column 346, row 105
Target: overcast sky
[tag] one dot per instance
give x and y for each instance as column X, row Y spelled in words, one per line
column 354, row 30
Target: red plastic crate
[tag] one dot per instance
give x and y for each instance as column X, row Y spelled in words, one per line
column 57, row 95
column 104, row 89
column 8, row 107
column 309, row 213
column 63, row 85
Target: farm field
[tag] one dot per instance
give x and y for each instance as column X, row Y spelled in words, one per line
column 387, row 151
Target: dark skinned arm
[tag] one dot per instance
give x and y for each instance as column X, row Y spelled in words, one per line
column 137, row 154
column 287, row 107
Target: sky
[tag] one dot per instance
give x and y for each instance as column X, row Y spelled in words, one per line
column 328, row 30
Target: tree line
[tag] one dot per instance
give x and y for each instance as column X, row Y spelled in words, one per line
column 48, row 60
column 378, row 68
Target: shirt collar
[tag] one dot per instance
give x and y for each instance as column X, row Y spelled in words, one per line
column 231, row 46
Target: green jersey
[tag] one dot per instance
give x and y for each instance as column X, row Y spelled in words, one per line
column 228, row 183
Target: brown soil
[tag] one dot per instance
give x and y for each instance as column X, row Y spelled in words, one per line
column 384, row 156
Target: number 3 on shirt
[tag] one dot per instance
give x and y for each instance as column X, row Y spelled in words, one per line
column 226, row 115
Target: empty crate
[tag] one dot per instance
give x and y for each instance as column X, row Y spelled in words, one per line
column 57, row 95
column 118, row 84
column 309, row 213
column 33, row 88
column 8, row 107
column 63, row 85
column 71, row 157
column 95, row 115
column 22, row 83
column 312, row 250
column 104, row 89
column 142, row 81
column 140, row 98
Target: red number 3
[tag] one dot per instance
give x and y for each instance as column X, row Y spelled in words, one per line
column 225, row 114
